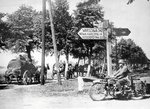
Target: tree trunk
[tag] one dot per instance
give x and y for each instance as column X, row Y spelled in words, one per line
column 58, row 71
column 89, row 67
column 84, row 60
column 58, row 56
column 103, row 67
column 89, row 62
column 54, row 43
column 66, row 66
column 78, row 67
column 28, row 51
column 78, row 61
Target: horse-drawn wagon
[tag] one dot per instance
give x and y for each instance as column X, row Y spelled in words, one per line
column 22, row 71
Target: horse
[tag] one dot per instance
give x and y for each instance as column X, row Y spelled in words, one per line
column 39, row 70
column 61, row 69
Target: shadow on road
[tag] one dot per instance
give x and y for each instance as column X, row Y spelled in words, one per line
column 146, row 97
column 125, row 99
column 3, row 86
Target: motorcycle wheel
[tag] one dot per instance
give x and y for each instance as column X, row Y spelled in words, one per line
column 97, row 91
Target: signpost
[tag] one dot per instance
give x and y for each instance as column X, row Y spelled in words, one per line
column 101, row 33
column 91, row 33
column 121, row 32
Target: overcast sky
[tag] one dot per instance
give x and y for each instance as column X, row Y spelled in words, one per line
column 135, row 16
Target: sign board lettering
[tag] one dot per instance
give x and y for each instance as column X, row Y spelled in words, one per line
column 91, row 33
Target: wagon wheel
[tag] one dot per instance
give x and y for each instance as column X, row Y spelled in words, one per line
column 26, row 79
column 8, row 76
column 38, row 78
column 19, row 79
column 18, row 76
column 8, row 79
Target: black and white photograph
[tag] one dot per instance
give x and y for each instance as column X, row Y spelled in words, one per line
column 74, row 54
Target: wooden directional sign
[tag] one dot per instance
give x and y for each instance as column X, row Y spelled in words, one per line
column 121, row 31
column 91, row 33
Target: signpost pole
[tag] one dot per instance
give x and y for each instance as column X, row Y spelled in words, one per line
column 109, row 60
column 116, row 53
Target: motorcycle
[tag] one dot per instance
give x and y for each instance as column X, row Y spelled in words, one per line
column 134, row 88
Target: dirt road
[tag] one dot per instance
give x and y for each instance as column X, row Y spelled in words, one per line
column 19, row 98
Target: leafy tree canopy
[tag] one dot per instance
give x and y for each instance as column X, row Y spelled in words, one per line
column 87, row 12
column 4, row 32
column 21, row 22
column 131, row 1
column 62, row 24
column 127, row 49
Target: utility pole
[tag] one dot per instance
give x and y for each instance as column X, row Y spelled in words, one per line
column 43, row 43
column 109, row 60
column 54, row 43
column 109, row 50
column 116, row 54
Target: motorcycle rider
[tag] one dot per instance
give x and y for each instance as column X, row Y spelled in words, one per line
column 122, row 74
column 123, row 70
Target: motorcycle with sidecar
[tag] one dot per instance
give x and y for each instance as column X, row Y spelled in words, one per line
column 134, row 88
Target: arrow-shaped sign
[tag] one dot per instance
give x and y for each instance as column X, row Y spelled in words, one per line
column 121, row 31
column 91, row 33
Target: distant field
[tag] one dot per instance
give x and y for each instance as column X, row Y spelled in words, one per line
column 2, row 70
column 141, row 74
column 1, row 67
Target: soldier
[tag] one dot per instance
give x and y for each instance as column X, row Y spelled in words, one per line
column 122, row 74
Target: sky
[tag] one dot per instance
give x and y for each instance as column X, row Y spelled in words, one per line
column 135, row 16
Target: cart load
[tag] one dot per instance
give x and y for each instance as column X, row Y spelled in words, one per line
column 21, row 70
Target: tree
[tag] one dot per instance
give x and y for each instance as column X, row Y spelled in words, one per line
column 131, row 1
column 62, row 25
column 4, row 32
column 21, row 22
column 128, row 50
